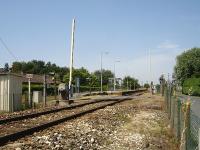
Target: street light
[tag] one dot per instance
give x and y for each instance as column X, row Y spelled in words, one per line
column 114, row 74
column 102, row 70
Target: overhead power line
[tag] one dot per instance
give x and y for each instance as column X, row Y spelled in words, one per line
column 6, row 47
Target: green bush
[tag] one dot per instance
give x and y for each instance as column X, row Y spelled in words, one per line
column 34, row 87
column 192, row 86
column 38, row 87
column 87, row 89
column 158, row 88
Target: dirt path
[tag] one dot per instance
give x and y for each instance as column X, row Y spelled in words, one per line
column 138, row 124
column 146, row 128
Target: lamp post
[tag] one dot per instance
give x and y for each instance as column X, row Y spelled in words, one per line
column 102, row 70
column 134, row 85
column 114, row 74
column 127, row 84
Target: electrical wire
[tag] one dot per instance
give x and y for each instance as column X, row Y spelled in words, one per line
column 6, row 47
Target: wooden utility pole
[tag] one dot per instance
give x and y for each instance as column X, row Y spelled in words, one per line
column 186, row 127
column 55, row 90
column 44, row 90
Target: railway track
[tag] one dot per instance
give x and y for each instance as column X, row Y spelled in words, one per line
column 14, row 128
column 54, row 110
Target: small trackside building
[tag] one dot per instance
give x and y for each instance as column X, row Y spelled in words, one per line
column 10, row 92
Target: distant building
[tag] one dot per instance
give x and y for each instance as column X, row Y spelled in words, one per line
column 38, row 79
column 2, row 70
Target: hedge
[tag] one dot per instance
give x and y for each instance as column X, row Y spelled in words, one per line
column 50, row 90
column 37, row 87
column 192, row 86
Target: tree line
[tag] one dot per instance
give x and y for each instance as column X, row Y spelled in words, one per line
column 187, row 71
column 62, row 74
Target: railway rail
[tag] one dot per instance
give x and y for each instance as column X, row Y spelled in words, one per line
column 14, row 128
column 36, row 114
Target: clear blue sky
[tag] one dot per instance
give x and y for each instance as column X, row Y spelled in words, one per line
column 127, row 29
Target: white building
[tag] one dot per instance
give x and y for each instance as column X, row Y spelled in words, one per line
column 10, row 92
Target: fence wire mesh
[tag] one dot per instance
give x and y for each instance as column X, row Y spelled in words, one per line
column 185, row 125
column 193, row 138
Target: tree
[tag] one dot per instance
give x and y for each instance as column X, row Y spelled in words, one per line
column 38, row 67
column 146, row 85
column 130, row 82
column 17, row 67
column 106, row 74
column 93, row 80
column 6, row 67
column 81, row 73
column 63, row 71
column 187, row 65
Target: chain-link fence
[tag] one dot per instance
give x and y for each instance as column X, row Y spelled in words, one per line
column 184, row 118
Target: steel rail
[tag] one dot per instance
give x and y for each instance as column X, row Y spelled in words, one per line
column 36, row 114
column 17, row 135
